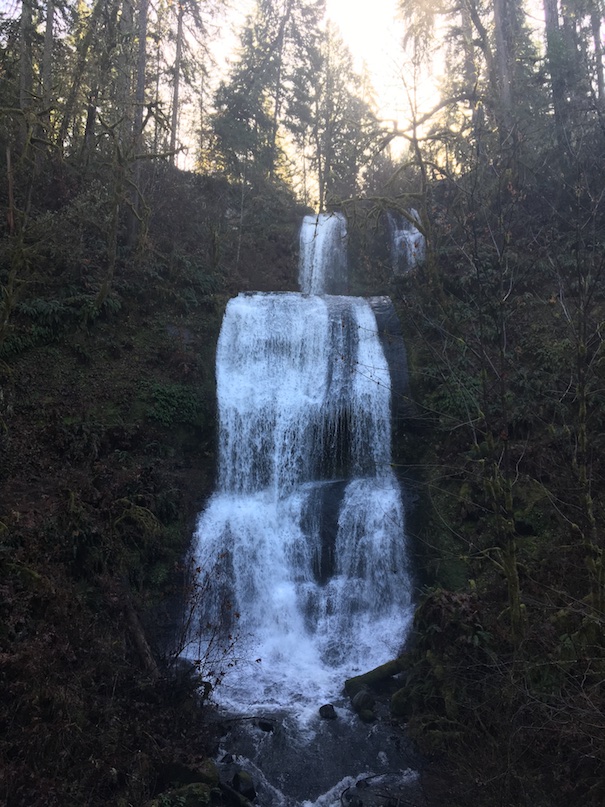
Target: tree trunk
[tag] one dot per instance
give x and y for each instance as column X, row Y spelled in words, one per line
column 80, row 69
column 44, row 119
column 139, row 98
column 25, row 56
column 137, row 131
column 25, row 69
column 281, row 36
column 123, row 100
column 595, row 22
column 558, row 83
column 504, row 62
column 177, row 79
column 470, row 69
column 47, row 59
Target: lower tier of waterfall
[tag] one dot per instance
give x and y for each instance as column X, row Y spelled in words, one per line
column 302, row 548
column 311, row 588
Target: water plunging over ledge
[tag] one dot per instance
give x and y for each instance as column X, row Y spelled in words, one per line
column 304, row 537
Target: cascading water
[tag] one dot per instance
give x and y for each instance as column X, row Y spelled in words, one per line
column 323, row 257
column 304, row 538
column 408, row 244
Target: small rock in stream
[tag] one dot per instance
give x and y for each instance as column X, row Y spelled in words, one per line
column 328, row 712
column 266, row 725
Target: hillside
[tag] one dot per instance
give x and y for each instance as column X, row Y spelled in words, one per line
column 108, row 450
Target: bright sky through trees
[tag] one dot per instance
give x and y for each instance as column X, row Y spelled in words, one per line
column 374, row 35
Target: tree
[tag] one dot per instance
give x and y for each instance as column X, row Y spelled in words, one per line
column 277, row 47
column 330, row 116
column 180, row 11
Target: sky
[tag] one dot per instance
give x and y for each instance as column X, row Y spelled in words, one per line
column 374, row 34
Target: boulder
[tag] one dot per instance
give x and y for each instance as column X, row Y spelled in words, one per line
column 243, row 784
column 328, row 712
column 208, row 772
column 176, row 774
column 363, row 700
column 196, row 794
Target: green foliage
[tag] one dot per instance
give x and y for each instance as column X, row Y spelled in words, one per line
column 505, row 340
column 467, row 698
column 277, row 44
column 173, row 403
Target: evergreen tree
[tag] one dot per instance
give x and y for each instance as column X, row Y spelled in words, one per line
column 277, row 47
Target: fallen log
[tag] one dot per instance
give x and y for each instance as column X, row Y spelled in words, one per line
column 376, row 676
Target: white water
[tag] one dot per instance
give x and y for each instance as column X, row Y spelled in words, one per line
column 303, row 543
column 323, row 263
column 408, row 245
column 304, row 402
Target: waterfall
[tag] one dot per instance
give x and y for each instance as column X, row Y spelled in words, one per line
column 323, row 261
column 408, row 245
column 303, row 541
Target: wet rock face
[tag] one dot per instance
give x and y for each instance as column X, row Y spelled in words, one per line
column 322, row 765
column 379, row 791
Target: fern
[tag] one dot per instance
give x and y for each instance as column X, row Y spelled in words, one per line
column 51, row 313
column 142, row 517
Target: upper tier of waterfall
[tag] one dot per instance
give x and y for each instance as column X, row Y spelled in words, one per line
column 323, row 256
column 304, row 392
column 408, row 244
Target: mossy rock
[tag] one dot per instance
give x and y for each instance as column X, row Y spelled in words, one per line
column 177, row 774
column 363, row 701
column 196, row 794
column 376, row 676
column 208, row 772
column 244, row 785
column 400, row 703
